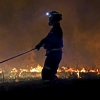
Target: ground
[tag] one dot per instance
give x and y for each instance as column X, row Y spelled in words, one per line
column 67, row 88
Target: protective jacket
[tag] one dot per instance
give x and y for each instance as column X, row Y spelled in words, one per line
column 54, row 39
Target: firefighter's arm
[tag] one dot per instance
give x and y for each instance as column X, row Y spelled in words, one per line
column 40, row 44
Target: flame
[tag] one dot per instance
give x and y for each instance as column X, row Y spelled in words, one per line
column 69, row 71
column 37, row 69
column 14, row 70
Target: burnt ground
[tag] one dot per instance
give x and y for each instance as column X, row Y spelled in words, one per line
column 77, row 88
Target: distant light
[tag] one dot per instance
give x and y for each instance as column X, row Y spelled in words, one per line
column 47, row 14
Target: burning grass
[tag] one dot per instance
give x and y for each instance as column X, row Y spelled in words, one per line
column 26, row 74
column 29, row 80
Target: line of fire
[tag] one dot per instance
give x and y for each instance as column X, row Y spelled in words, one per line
column 35, row 73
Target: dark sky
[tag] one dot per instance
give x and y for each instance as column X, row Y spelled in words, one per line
column 23, row 24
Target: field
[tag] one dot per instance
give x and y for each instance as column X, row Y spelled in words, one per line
column 66, row 88
column 78, row 85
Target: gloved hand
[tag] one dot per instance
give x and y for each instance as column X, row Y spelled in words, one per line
column 38, row 46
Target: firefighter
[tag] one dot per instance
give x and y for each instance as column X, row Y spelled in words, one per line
column 53, row 44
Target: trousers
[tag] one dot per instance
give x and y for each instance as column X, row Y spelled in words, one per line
column 51, row 65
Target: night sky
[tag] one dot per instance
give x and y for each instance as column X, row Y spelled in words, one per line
column 23, row 24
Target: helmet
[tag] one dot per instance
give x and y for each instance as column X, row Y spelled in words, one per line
column 54, row 15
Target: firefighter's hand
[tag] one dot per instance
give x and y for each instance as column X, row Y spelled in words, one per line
column 38, row 46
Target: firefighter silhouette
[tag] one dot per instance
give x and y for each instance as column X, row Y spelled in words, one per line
column 53, row 44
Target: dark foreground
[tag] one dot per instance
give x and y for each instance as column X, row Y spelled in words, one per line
column 67, row 88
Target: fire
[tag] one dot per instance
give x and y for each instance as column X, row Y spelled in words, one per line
column 14, row 70
column 83, row 70
column 37, row 69
column 65, row 72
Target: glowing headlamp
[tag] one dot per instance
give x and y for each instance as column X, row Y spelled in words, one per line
column 47, row 13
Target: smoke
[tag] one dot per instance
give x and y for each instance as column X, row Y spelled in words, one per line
column 83, row 34
column 23, row 24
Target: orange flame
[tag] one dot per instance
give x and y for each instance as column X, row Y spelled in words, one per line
column 37, row 69
column 22, row 73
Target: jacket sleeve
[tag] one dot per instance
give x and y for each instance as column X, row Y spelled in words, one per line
column 44, row 40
